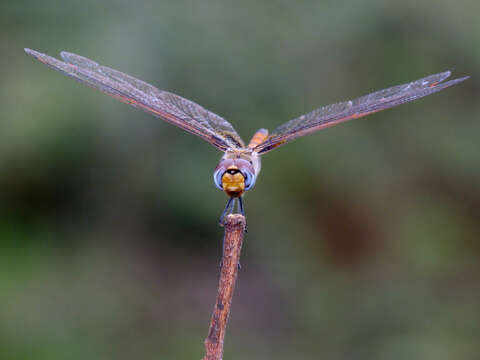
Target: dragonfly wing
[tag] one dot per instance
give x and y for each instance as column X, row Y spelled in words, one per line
column 336, row 113
column 167, row 106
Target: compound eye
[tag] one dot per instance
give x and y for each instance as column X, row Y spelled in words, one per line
column 249, row 179
column 217, row 178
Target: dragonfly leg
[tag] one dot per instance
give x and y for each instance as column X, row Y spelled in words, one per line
column 240, row 205
column 242, row 209
column 230, row 204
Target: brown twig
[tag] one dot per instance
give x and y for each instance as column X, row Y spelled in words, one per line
column 233, row 240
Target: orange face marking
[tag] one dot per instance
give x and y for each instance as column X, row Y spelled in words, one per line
column 233, row 182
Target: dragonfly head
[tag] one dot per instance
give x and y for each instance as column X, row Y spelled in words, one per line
column 234, row 176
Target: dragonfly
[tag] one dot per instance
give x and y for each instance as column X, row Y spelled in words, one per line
column 240, row 165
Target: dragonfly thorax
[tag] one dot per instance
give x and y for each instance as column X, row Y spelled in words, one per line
column 236, row 173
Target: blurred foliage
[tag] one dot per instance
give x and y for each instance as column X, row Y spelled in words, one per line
column 363, row 238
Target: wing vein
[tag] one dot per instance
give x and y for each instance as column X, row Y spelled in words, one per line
column 336, row 113
column 172, row 108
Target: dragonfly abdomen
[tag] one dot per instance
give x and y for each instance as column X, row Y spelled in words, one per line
column 259, row 137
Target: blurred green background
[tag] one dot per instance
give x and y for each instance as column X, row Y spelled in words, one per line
column 363, row 239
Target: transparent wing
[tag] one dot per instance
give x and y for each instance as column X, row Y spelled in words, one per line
column 170, row 107
column 336, row 113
